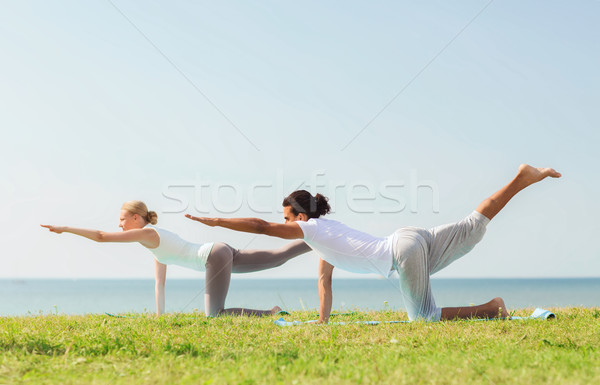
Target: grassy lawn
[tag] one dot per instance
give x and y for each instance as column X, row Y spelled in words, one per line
column 191, row 349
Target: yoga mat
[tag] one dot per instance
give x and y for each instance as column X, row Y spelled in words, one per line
column 537, row 314
column 116, row 316
column 281, row 312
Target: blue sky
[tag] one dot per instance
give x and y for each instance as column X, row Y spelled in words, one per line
column 224, row 108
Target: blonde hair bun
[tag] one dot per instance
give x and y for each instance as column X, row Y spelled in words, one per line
column 152, row 217
column 140, row 208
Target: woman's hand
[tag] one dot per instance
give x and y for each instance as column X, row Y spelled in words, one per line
column 54, row 229
column 212, row 222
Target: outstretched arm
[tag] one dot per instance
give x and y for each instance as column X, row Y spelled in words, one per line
column 288, row 230
column 325, row 292
column 147, row 237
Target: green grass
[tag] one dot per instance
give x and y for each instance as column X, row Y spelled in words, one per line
column 191, row 349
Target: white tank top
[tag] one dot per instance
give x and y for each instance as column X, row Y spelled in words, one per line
column 347, row 248
column 173, row 250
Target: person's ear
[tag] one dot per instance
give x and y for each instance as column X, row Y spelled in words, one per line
column 303, row 217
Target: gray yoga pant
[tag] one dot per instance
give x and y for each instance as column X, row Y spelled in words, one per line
column 224, row 260
column 419, row 253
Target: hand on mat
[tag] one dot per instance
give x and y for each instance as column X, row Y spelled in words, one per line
column 207, row 221
column 54, row 229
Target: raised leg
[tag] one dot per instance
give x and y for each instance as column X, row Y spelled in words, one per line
column 526, row 176
column 247, row 261
column 218, row 277
column 492, row 309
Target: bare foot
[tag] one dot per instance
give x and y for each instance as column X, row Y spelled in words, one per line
column 498, row 308
column 530, row 175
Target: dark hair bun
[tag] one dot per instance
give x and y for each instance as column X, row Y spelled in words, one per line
column 322, row 205
column 302, row 201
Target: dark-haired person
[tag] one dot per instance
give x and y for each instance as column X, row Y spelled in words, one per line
column 414, row 252
column 219, row 260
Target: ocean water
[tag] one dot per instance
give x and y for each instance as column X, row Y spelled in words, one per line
column 45, row 296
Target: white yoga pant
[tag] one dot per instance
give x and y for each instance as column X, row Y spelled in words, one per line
column 419, row 253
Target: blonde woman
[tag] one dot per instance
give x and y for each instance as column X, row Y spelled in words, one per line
column 219, row 260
